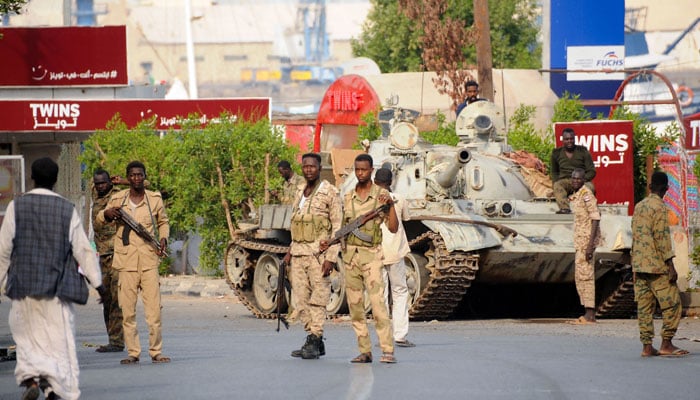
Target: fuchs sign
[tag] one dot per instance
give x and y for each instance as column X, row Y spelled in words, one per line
column 89, row 115
column 63, row 56
column 610, row 143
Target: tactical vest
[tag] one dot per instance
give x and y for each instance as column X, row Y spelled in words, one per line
column 372, row 228
column 307, row 227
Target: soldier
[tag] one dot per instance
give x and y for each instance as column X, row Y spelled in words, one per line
column 104, row 241
column 564, row 160
column 316, row 216
column 654, row 273
column 293, row 183
column 363, row 261
column 137, row 262
column 586, row 238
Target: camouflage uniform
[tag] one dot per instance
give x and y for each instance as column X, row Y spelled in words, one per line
column 363, row 270
column 291, row 187
column 651, row 247
column 585, row 209
column 104, row 241
column 310, row 289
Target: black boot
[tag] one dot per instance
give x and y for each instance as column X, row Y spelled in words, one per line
column 321, row 349
column 311, row 350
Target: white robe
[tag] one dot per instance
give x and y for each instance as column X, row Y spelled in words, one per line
column 43, row 329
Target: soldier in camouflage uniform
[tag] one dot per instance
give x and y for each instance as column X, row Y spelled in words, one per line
column 104, row 240
column 293, row 183
column 654, row 273
column 316, row 216
column 586, row 238
column 363, row 261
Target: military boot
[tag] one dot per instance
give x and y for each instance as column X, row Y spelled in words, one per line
column 311, row 350
column 321, row 348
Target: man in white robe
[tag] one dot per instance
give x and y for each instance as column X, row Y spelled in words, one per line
column 41, row 323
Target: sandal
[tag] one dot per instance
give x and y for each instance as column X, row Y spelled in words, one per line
column 363, row 358
column 160, row 359
column 388, row 358
column 129, row 360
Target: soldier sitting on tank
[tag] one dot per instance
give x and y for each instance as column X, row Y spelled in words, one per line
column 472, row 89
column 564, row 160
column 292, row 183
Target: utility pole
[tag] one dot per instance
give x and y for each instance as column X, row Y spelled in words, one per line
column 484, row 60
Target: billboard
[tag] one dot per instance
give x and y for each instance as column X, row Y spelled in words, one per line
column 584, row 36
column 63, row 56
column 610, row 143
column 692, row 132
column 89, row 115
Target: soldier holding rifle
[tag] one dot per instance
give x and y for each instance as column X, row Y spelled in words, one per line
column 363, row 260
column 316, row 216
column 137, row 259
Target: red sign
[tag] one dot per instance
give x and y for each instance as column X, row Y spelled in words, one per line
column 89, row 115
column 63, row 56
column 692, row 132
column 344, row 103
column 610, row 143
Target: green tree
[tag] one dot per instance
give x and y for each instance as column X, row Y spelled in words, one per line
column 395, row 43
column 522, row 134
column 11, row 6
column 214, row 175
column 389, row 38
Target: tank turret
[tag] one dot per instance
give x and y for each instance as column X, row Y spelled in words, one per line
column 447, row 177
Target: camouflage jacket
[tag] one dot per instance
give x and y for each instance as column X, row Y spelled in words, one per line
column 651, row 236
column 104, row 233
column 291, row 188
column 585, row 208
column 325, row 201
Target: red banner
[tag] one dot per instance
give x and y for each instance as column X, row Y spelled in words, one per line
column 63, row 56
column 692, row 132
column 610, row 143
column 89, row 115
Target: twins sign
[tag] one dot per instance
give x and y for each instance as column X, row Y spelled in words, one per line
column 610, row 144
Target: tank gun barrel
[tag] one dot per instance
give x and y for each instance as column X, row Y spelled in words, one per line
column 448, row 177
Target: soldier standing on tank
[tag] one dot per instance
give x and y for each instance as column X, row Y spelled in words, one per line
column 316, row 216
column 293, row 183
column 363, row 261
column 655, row 275
column 394, row 248
column 564, row 160
column 104, row 241
column 586, row 238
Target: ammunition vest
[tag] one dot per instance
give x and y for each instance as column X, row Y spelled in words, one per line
column 307, row 227
column 372, row 228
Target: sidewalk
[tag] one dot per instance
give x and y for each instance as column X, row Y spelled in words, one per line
column 195, row 285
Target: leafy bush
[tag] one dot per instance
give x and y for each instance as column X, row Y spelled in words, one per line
column 522, row 134
column 444, row 134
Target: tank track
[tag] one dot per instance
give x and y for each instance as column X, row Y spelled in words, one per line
column 620, row 304
column 451, row 274
column 244, row 291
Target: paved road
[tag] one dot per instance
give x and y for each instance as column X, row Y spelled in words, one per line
column 220, row 352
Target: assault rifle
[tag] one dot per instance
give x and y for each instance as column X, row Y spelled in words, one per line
column 132, row 225
column 280, row 295
column 354, row 226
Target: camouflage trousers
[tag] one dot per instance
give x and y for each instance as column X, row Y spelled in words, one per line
column 111, row 311
column 648, row 289
column 584, row 276
column 358, row 278
column 310, row 292
column 563, row 188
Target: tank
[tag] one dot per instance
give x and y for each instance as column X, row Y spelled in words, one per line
column 474, row 218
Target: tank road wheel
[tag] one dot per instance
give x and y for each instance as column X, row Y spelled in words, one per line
column 236, row 265
column 416, row 276
column 265, row 283
column 337, row 303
